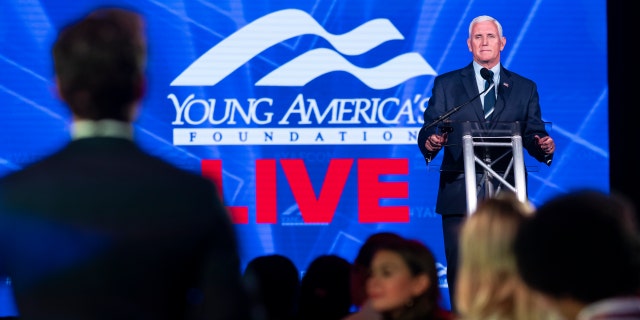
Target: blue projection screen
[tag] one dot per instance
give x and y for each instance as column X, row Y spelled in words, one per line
column 307, row 112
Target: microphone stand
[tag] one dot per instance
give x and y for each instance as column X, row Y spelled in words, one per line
column 448, row 114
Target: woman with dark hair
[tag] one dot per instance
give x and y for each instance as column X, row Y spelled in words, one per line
column 404, row 282
column 360, row 273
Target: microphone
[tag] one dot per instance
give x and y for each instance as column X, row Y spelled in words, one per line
column 484, row 72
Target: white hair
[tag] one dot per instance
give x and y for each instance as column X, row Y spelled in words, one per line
column 485, row 18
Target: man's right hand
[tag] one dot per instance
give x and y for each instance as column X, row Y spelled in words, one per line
column 435, row 142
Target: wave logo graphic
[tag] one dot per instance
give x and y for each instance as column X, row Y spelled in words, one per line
column 249, row 41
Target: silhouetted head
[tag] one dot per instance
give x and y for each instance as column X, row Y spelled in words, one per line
column 581, row 245
column 99, row 63
column 273, row 281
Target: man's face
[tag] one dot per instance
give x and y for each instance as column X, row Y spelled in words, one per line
column 485, row 43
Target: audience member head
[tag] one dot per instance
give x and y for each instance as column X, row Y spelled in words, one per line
column 273, row 282
column 99, row 64
column 324, row 289
column 362, row 262
column 488, row 285
column 404, row 281
column 580, row 248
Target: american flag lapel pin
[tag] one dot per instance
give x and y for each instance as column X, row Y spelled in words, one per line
column 506, row 85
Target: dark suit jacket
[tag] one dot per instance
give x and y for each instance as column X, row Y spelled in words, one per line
column 103, row 230
column 517, row 102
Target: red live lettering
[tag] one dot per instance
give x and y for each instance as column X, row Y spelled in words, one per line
column 321, row 208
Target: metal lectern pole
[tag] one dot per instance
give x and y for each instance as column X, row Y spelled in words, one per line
column 469, row 172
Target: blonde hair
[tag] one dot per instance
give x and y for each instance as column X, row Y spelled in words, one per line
column 488, row 285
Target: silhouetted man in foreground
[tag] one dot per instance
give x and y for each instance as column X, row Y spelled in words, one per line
column 100, row 229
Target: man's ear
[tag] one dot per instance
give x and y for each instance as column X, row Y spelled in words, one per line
column 420, row 284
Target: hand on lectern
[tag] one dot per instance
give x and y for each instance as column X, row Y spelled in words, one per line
column 435, row 142
column 548, row 146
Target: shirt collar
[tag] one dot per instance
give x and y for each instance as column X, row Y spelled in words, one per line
column 101, row 128
column 479, row 80
column 496, row 71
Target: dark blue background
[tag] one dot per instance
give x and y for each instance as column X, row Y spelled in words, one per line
column 562, row 45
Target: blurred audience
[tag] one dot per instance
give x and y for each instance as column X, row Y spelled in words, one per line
column 488, row 285
column 403, row 284
column 273, row 284
column 101, row 229
column 360, row 273
column 580, row 250
column 324, row 289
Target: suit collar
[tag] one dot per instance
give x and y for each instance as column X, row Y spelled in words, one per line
column 504, row 91
column 470, row 86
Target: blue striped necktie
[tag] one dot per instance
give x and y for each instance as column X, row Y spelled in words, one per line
column 489, row 98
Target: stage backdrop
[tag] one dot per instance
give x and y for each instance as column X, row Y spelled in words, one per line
column 307, row 112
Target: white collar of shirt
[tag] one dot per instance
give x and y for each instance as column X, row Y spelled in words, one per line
column 480, row 80
column 609, row 306
column 101, row 128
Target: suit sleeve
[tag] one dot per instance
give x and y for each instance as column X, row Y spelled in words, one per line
column 435, row 108
column 534, row 126
column 223, row 294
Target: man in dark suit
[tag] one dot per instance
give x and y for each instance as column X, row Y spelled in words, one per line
column 515, row 99
column 100, row 229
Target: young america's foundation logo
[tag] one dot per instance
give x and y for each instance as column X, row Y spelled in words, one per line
column 305, row 120
column 269, row 30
